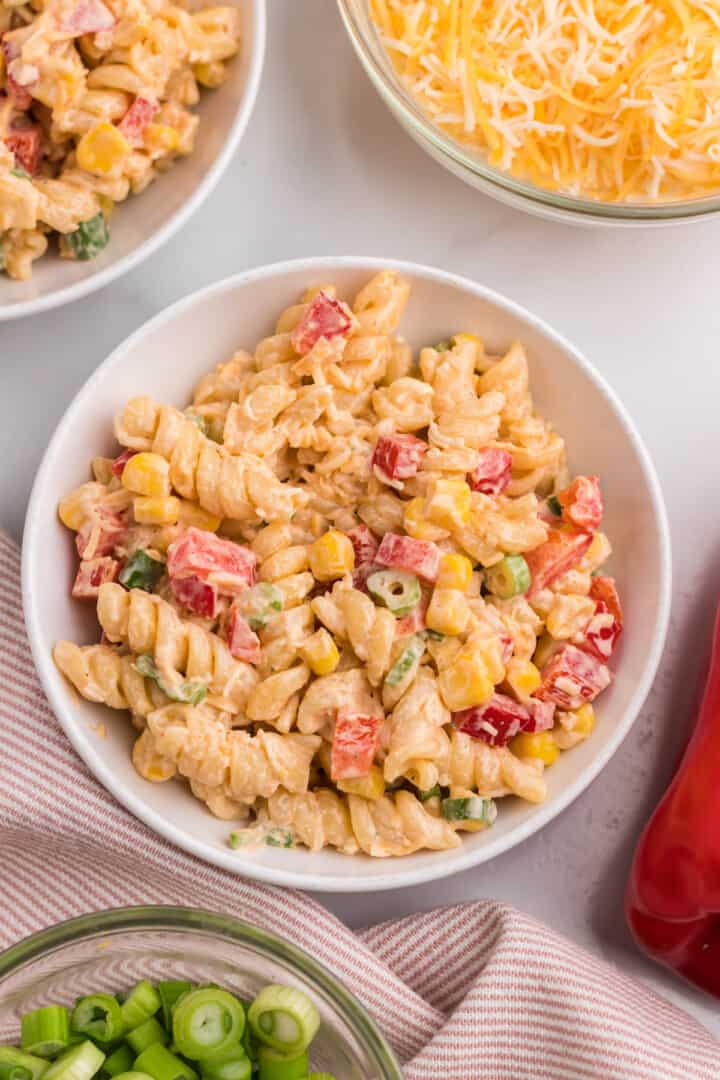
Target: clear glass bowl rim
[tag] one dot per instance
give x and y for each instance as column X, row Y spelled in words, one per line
column 405, row 108
column 152, row 917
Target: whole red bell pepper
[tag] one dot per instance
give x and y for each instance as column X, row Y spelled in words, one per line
column 673, row 898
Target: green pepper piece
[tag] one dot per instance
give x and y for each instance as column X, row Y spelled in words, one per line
column 88, row 240
column 141, row 571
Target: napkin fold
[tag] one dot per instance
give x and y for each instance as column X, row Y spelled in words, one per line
column 472, row 992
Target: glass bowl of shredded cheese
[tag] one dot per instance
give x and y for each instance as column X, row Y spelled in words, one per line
column 602, row 111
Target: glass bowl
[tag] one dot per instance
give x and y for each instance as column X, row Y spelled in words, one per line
column 470, row 165
column 111, row 950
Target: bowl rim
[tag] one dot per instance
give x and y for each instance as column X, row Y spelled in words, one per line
column 464, row 857
column 168, row 917
column 575, row 209
column 69, row 293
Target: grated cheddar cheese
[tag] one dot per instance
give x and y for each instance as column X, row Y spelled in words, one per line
column 614, row 101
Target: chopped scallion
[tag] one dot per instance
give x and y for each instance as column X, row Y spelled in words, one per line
column 142, row 1002
column 207, row 1022
column 284, row 1018
column 46, row 1031
column 276, row 1066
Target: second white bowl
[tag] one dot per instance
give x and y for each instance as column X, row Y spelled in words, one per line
column 164, row 359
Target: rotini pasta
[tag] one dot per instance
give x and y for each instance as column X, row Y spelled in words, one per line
column 342, row 596
column 95, row 105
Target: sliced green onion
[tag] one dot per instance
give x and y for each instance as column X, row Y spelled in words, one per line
column 22, row 174
column 284, row 1018
column 170, row 991
column 472, row 808
column 276, row 1066
column 443, row 346
column 88, row 240
column 141, row 571
column 236, row 1065
column 147, row 1034
column 278, row 837
column 259, row 604
column 160, row 1064
column 207, row 1022
column 14, row 1072
column 553, row 505
column 120, row 1061
column 509, row 577
column 431, row 793
column 432, row 635
column 250, row 1044
column 142, row 1002
column 36, row 1066
column 80, row 1063
column 46, row 1031
column 98, row 1017
column 191, row 692
column 396, row 589
column 132, row 1074
column 406, row 661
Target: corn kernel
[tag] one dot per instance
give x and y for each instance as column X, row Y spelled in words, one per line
column 523, row 677
column 540, row 745
column 193, row 514
column 320, row 653
column 148, row 763
column 102, row 148
column 210, row 75
column 447, row 503
column 161, row 137
column 156, row 509
column 331, row 556
column 146, row 474
column 455, row 572
column 417, row 525
column 447, row 612
column 466, row 682
column 371, row 786
column 545, row 649
column 584, row 719
column 459, row 338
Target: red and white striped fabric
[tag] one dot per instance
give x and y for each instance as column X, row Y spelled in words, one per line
column 474, row 992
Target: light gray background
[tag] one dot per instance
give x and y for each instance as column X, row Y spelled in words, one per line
column 324, row 169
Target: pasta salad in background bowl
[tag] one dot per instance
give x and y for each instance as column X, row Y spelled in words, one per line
column 99, row 101
column 355, row 557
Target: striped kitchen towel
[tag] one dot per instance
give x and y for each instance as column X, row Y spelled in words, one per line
column 473, row 992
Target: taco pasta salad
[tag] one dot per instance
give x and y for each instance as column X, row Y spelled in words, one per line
column 350, row 594
column 95, row 103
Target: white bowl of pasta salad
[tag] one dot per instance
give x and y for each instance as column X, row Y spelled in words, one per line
column 99, row 100
column 366, row 581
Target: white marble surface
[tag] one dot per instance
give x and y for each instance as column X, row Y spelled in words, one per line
column 325, row 170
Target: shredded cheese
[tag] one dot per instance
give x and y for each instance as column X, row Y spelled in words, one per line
column 614, row 100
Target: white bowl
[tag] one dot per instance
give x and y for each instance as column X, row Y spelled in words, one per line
column 164, row 359
column 143, row 222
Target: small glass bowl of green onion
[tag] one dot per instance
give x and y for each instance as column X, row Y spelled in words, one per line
column 164, row 993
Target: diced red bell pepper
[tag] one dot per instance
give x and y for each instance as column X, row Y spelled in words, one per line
column 562, row 550
column 197, row 595
column 493, row 472
column 136, row 120
column 354, row 745
column 324, row 318
column 26, row 144
column 600, row 635
column 121, row 461
column 673, row 898
column 86, row 17
column 229, row 566
column 603, row 590
column 496, row 722
column 107, row 527
column 92, row 573
column 421, row 557
column 364, row 545
column 541, row 715
column 398, row 457
column 244, row 644
column 582, row 503
column 572, row 678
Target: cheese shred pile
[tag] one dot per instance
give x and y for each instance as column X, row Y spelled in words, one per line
column 607, row 100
